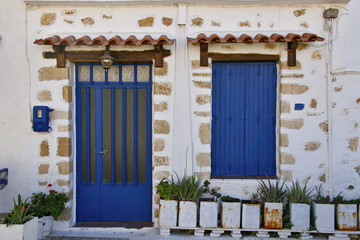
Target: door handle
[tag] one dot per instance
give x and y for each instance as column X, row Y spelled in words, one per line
column 105, row 151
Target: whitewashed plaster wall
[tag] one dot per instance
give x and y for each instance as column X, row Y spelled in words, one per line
column 16, row 149
column 19, row 146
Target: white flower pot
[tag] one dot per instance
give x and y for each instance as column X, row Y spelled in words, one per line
column 208, row 214
column 359, row 216
column 324, row 215
column 250, row 216
column 187, row 214
column 300, row 216
column 230, row 214
column 346, row 217
column 44, row 226
column 168, row 213
column 273, row 215
column 27, row 231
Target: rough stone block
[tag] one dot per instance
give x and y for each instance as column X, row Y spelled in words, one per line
column 312, row 146
column 161, row 161
column 167, row 21
column 43, row 183
column 65, row 128
column 67, row 94
column 88, row 21
column 296, row 123
column 292, row 88
column 161, row 174
column 60, row 115
column 203, row 175
column 204, row 133
column 284, row 140
column 202, row 84
column 64, row 147
column 353, row 144
column 197, row 21
column 161, row 127
column 286, row 174
column 64, row 168
column 161, row 71
column 44, row 149
column 43, row 168
column 53, row 73
column 287, row 158
column 159, row 145
column 44, row 96
column 203, row 99
column 63, row 183
column 160, row 107
column 163, row 88
column 146, row 22
column 65, row 215
column 48, row 19
column 202, row 114
column 285, row 106
column 203, row 160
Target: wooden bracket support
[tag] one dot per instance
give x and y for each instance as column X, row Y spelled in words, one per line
column 159, row 55
column 204, row 55
column 60, row 56
column 292, row 53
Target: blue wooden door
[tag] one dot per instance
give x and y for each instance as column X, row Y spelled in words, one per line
column 113, row 143
column 243, row 119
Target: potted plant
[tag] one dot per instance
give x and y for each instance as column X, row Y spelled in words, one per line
column 20, row 224
column 47, row 207
column 188, row 191
column 272, row 195
column 209, row 208
column 299, row 198
column 323, row 212
column 250, row 214
column 346, row 214
column 230, row 212
column 168, row 203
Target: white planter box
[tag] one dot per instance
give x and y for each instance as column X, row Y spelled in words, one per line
column 346, row 217
column 27, row 231
column 300, row 216
column 208, row 214
column 359, row 216
column 324, row 216
column 273, row 213
column 250, row 216
column 44, row 226
column 168, row 213
column 230, row 214
column 187, row 214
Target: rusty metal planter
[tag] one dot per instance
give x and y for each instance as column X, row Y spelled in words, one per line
column 273, row 215
column 250, row 216
column 187, row 214
column 168, row 213
column 208, row 214
column 300, row 216
column 346, row 217
column 324, row 215
column 230, row 214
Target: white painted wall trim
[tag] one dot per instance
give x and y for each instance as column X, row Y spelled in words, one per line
column 147, row 2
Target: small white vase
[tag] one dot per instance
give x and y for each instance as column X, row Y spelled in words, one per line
column 251, row 216
column 168, row 213
column 44, row 226
column 230, row 214
column 300, row 216
column 187, row 214
column 208, row 214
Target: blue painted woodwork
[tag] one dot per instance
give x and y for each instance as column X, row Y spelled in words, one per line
column 243, row 135
column 116, row 200
column 299, row 106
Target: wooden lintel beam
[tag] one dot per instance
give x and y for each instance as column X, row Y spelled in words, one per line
column 60, row 56
column 119, row 56
column 292, row 53
column 159, row 57
column 243, row 57
column 204, row 55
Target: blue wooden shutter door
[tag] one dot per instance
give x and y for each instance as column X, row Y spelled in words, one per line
column 243, row 141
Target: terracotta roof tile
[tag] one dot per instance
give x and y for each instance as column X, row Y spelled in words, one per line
column 244, row 38
column 102, row 40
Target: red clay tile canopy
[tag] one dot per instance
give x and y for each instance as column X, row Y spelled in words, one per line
column 101, row 40
column 259, row 38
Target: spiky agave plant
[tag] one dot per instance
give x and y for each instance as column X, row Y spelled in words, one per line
column 271, row 192
column 298, row 194
column 189, row 189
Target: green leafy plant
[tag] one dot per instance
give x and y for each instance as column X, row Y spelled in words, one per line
column 298, row 194
column 340, row 200
column 51, row 204
column 166, row 189
column 319, row 197
column 212, row 191
column 20, row 213
column 271, row 192
column 254, row 199
column 229, row 199
column 189, row 189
